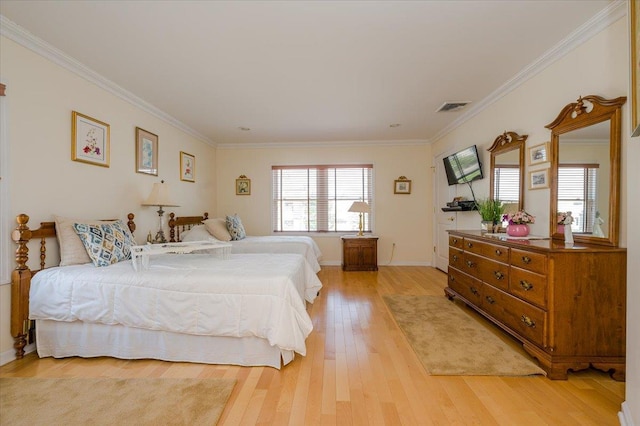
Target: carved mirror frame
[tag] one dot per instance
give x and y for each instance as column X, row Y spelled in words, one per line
column 587, row 111
column 506, row 142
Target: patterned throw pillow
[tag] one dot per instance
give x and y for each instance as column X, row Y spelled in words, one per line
column 106, row 244
column 235, row 228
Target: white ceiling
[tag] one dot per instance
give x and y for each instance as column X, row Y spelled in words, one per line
column 306, row 71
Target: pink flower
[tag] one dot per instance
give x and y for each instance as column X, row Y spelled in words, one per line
column 519, row 218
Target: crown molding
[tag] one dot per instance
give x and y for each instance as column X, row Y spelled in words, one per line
column 16, row 33
column 320, row 144
column 607, row 16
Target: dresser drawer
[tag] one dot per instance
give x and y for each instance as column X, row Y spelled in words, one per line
column 456, row 257
column 471, row 264
column 455, row 241
column 473, row 246
column 495, row 273
column 530, row 261
column 468, row 287
column 498, row 253
column 529, row 286
column 525, row 319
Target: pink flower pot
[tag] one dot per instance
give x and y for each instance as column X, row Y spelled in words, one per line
column 518, row 230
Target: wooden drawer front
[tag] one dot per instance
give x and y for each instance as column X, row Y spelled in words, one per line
column 471, row 264
column 495, row 273
column 499, row 253
column 473, row 246
column 455, row 258
column 534, row 262
column 529, row 286
column 468, row 287
column 525, row 319
column 455, row 241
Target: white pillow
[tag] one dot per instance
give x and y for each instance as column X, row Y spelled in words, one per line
column 218, row 228
column 72, row 250
column 197, row 233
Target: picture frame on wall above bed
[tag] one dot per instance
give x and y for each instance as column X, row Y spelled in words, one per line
column 243, row 185
column 187, row 167
column 90, row 140
column 146, row 152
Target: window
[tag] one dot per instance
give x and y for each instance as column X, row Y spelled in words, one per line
column 506, row 184
column 317, row 198
column 577, row 186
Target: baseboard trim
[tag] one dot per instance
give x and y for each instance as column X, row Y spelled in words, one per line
column 7, row 356
column 624, row 416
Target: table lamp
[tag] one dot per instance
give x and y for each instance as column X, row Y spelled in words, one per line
column 359, row 207
column 160, row 197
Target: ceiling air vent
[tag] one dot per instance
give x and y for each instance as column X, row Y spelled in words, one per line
column 453, row 106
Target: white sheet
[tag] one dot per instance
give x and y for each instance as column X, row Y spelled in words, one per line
column 303, row 245
column 258, row 295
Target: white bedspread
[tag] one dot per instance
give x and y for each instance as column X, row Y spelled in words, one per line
column 248, row 295
column 300, row 244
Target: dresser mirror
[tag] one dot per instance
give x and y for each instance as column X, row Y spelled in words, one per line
column 507, row 171
column 585, row 169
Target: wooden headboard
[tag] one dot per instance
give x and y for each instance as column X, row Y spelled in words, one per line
column 181, row 224
column 21, row 326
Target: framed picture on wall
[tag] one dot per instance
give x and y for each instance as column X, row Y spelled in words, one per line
column 243, row 185
column 89, row 140
column 146, row 152
column 539, row 154
column 187, row 167
column 402, row 185
column 539, row 179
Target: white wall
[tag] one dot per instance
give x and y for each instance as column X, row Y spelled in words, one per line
column 45, row 181
column 401, row 219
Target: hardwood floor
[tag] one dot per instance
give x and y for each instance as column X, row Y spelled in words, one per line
column 359, row 369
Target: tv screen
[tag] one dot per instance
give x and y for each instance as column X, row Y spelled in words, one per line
column 463, row 166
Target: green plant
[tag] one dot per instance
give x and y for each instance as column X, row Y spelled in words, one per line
column 490, row 210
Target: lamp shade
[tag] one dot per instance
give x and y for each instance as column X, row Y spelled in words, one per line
column 359, row 207
column 159, row 196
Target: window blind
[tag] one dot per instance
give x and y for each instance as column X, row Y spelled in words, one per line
column 577, row 189
column 506, row 184
column 317, row 198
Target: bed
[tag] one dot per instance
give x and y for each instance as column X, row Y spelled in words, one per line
column 248, row 309
column 190, row 228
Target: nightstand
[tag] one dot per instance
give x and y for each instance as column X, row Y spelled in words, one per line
column 359, row 253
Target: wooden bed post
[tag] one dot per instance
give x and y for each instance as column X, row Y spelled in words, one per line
column 20, row 285
column 172, row 227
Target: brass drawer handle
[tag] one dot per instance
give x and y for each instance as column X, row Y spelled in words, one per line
column 469, row 245
column 473, row 290
column 526, row 259
column 499, row 275
column 451, row 278
column 490, row 299
column 498, row 252
column 470, row 264
column 455, row 258
column 455, row 241
column 528, row 321
column 526, row 285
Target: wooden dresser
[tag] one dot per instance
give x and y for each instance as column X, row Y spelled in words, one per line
column 566, row 305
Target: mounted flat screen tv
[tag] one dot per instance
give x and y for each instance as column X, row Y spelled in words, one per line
column 463, row 166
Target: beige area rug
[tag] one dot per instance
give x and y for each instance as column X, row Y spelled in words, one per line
column 449, row 341
column 106, row 401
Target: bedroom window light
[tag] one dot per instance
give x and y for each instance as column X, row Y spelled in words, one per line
column 317, row 198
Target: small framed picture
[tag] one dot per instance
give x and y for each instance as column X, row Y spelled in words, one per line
column 89, row 140
column 243, row 185
column 402, row 186
column 187, row 167
column 146, row 152
column 539, row 179
column 539, row 154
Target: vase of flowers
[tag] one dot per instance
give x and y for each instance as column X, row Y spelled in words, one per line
column 518, row 223
column 560, row 222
